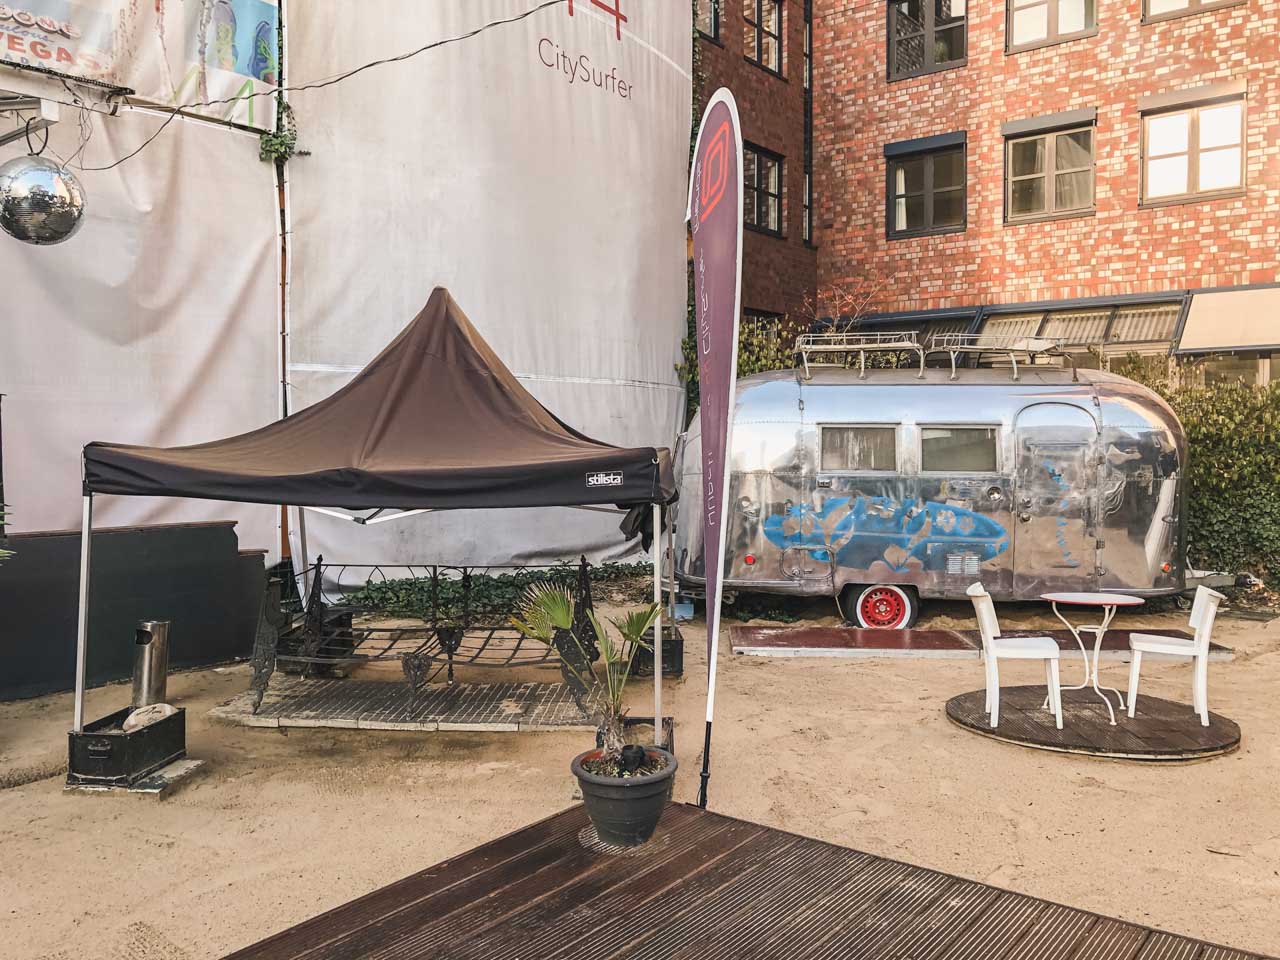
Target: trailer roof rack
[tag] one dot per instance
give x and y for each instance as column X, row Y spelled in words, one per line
column 845, row 345
column 958, row 344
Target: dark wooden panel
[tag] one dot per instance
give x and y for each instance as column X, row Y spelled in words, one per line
column 193, row 575
column 459, row 912
column 855, row 928
column 772, row 891
column 601, row 896
column 1162, row 729
column 933, row 931
column 1055, row 935
column 707, row 886
column 849, row 638
column 749, row 864
column 847, row 887
column 527, row 847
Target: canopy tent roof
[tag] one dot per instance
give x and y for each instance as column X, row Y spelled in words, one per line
column 435, row 421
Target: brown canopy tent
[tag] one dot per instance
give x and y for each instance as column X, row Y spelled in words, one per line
column 435, row 422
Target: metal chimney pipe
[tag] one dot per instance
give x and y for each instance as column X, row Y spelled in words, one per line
column 150, row 662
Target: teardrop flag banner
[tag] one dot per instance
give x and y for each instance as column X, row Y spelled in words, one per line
column 715, row 218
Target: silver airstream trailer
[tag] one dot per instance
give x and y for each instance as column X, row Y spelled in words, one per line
column 883, row 487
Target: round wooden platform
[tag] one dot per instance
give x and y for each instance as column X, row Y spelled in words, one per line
column 1162, row 730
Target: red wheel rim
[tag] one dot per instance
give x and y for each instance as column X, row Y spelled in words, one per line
column 883, row 607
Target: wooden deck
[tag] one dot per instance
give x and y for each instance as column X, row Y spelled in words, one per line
column 1162, row 730
column 818, row 641
column 706, row 886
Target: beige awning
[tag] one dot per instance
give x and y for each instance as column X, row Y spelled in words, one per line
column 1232, row 320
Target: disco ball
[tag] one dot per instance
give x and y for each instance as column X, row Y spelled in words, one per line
column 40, row 202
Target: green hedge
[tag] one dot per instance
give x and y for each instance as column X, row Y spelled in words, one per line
column 1233, row 472
column 490, row 593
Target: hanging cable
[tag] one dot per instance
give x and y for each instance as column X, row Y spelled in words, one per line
column 321, row 84
column 27, row 133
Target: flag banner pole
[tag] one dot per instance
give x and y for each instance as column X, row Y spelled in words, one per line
column 715, row 221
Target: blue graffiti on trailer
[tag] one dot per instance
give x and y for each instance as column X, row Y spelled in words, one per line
column 1064, row 504
column 862, row 530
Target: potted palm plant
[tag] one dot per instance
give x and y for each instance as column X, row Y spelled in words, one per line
column 625, row 787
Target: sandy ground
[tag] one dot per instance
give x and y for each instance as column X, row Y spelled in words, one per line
column 280, row 827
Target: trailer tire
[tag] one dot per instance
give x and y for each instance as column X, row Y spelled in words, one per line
column 881, row 606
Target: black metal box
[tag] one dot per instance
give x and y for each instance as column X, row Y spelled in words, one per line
column 672, row 654
column 104, row 755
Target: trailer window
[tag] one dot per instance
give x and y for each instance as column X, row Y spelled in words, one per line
column 958, row 449
column 859, row 448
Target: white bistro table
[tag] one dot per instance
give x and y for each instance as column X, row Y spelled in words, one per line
column 1109, row 602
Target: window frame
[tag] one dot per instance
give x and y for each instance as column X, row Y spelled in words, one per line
column 755, row 190
column 996, row 428
column 758, row 26
column 928, row 32
column 1052, row 36
column 1193, row 153
column 716, row 20
column 1192, row 8
column 929, row 156
column 896, row 428
column 1051, row 211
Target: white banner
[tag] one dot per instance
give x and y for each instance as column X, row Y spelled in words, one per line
column 196, row 51
column 538, row 170
column 157, row 323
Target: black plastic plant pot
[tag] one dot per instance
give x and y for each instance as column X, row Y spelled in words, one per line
column 625, row 810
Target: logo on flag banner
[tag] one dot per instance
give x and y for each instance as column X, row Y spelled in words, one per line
column 715, row 218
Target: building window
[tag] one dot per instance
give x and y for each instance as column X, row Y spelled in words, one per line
column 1049, row 174
column 1036, row 23
column 762, row 33
column 1167, row 9
column 958, row 449
column 762, row 189
column 1193, row 152
column 925, row 35
column 848, row 449
column 927, row 193
column 709, row 18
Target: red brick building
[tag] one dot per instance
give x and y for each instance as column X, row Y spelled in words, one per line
column 756, row 48
column 1073, row 168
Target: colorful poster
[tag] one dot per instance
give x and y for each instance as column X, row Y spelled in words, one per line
column 715, row 219
column 195, row 54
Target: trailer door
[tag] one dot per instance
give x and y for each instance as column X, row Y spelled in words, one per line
column 1056, row 490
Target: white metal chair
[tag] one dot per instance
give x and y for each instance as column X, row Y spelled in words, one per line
column 996, row 648
column 1204, row 609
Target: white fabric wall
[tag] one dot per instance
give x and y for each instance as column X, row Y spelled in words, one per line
column 552, row 210
column 157, row 323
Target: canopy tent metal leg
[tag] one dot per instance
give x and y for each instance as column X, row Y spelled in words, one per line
column 82, row 626
column 659, row 735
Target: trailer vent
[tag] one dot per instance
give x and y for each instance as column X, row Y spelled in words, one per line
column 963, row 564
